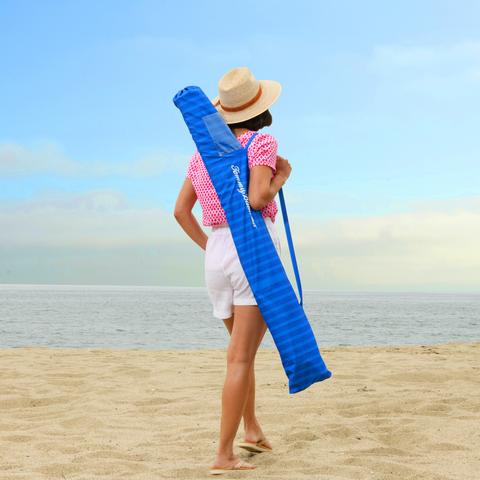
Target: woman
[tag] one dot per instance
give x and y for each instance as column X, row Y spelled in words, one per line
column 243, row 102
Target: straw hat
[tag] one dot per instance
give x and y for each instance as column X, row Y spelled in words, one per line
column 242, row 97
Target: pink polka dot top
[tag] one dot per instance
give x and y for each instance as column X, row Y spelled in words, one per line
column 262, row 151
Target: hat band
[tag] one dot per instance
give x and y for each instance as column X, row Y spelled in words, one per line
column 245, row 105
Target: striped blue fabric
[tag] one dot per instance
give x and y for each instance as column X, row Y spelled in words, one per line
column 227, row 164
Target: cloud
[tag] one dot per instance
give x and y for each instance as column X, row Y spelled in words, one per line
column 448, row 207
column 317, row 205
column 424, row 250
column 167, row 263
column 48, row 159
column 434, row 246
column 93, row 219
column 95, row 237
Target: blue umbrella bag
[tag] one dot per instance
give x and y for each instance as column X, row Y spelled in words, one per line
column 227, row 164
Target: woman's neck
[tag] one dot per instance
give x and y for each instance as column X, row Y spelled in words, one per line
column 238, row 132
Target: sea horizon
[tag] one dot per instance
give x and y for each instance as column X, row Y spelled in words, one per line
column 360, row 290
column 181, row 318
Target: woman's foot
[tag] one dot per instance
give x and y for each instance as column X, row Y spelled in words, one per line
column 233, row 463
column 254, row 435
column 257, row 447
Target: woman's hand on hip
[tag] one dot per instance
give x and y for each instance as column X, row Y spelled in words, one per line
column 184, row 216
column 283, row 167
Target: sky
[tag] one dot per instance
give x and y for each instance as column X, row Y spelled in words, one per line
column 379, row 117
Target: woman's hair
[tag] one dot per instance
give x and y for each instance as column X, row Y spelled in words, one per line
column 256, row 123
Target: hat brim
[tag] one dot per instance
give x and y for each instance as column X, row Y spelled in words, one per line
column 270, row 92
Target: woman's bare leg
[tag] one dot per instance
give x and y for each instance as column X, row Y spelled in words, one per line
column 247, row 333
column 253, row 431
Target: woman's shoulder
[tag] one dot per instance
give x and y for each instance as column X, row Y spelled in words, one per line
column 263, row 140
column 195, row 159
column 263, row 136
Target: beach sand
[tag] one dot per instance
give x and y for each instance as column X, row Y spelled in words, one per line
column 386, row 413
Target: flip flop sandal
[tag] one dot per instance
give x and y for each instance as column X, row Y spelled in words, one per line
column 236, row 467
column 257, row 447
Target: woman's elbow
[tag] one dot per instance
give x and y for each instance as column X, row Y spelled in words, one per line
column 254, row 205
column 257, row 202
column 179, row 213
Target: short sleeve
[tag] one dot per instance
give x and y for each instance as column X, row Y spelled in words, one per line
column 193, row 165
column 263, row 151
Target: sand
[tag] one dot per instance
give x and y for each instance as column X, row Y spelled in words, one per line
column 387, row 413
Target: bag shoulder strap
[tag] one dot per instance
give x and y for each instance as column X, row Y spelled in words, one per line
column 290, row 244
column 287, row 231
column 250, row 141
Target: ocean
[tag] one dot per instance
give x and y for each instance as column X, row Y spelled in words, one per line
column 180, row 318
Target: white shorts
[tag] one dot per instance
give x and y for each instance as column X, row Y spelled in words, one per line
column 227, row 284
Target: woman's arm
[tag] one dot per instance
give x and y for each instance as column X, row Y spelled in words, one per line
column 184, row 216
column 262, row 187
